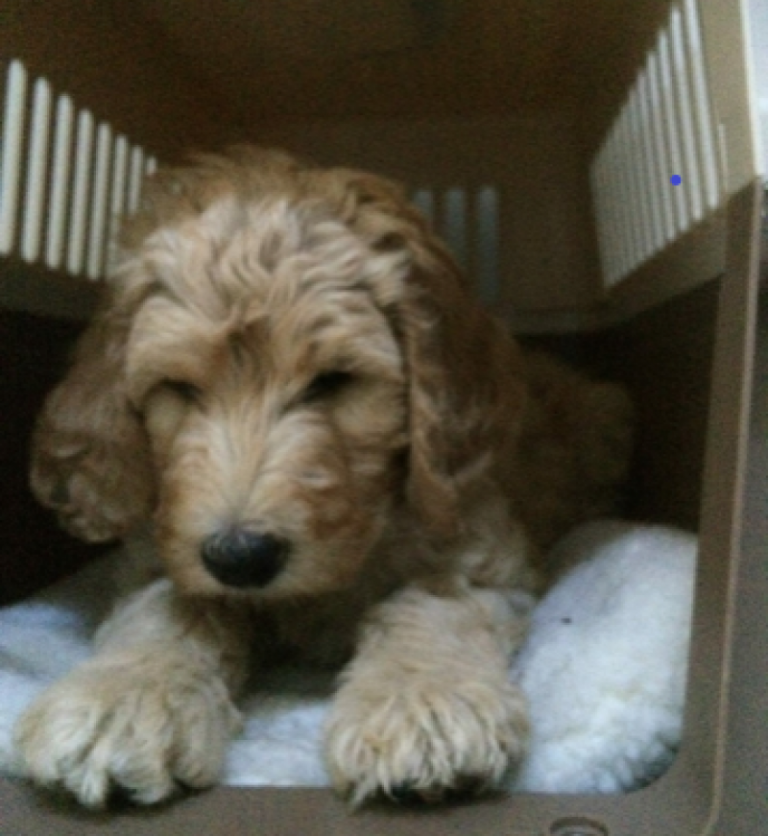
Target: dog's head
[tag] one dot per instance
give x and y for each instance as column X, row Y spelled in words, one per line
column 302, row 363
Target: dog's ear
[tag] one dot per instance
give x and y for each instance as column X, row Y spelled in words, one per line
column 90, row 455
column 466, row 392
column 466, row 381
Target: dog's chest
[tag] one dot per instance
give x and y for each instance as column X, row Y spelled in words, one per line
column 320, row 633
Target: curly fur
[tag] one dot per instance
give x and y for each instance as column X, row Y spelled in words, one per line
column 415, row 494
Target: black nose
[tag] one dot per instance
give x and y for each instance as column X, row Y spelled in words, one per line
column 239, row 557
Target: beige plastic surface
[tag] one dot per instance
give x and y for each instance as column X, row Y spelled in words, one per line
column 516, row 96
column 727, row 41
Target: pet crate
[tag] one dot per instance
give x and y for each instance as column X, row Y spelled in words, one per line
column 542, row 137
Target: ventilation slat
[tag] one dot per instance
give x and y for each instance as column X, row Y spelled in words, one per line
column 663, row 129
column 486, row 248
column 701, row 106
column 37, row 170
column 661, row 156
column 672, row 134
column 454, row 229
column 99, row 213
column 617, row 174
column 649, row 172
column 467, row 219
column 642, row 225
column 613, row 198
column 12, row 154
column 137, row 173
column 628, row 193
column 81, row 192
column 119, row 187
column 691, row 173
column 65, row 179
column 62, row 167
column 424, row 200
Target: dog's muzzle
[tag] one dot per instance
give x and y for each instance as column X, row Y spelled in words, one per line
column 239, row 557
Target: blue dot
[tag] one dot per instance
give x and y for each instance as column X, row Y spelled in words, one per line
column 675, row 179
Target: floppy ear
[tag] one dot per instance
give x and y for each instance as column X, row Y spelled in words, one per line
column 466, row 393
column 466, row 382
column 90, row 455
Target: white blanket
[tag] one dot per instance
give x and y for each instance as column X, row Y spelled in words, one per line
column 603, row 667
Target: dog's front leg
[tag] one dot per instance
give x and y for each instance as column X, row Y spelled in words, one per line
column 425, row 708
column 152, row 710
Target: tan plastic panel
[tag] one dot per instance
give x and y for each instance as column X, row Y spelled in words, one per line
column 726, row 42
column 108, row 61
column 37, row 290
column 385, row 58
column 253, row 36
column 745, row 753
column 689, row 262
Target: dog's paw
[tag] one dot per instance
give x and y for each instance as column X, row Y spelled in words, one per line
column 421, row 742
column 141, row 730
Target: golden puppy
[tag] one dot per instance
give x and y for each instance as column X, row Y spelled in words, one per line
column 339, row 453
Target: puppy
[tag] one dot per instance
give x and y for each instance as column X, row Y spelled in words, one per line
column 337, row 454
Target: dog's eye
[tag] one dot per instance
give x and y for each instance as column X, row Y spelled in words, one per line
column 186, row 391
column 325, row 385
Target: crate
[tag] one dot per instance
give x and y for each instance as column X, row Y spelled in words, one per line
column 540, row 136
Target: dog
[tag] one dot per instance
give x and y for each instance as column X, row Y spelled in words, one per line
column 290, row 397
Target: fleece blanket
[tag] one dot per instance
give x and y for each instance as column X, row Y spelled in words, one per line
column 603, row 667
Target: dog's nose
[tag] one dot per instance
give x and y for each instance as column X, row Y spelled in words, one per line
column 239, row 557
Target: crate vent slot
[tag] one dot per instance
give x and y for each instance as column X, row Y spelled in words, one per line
column 137, row 172
column 60, row 182
column 99, row 214
column 455, row 226
column 486, row 215
column 467, row 220
column 37, row 170
column 664, row 128
column 12, row 159
column 65, row 179
column 424, row 201
column 80, row 192
column 119, row 186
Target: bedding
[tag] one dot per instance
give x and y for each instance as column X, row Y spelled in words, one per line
column 604, row 668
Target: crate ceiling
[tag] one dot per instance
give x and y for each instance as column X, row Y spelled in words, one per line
column 289, row 58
